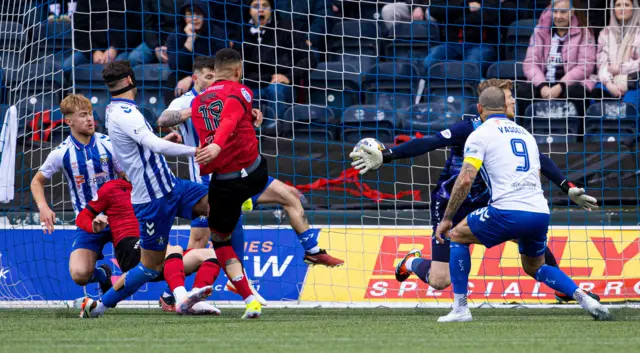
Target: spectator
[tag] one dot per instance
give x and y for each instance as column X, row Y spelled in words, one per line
column 471, row 31
column 275, row 57
column 560, row 58
column 159, row 21
column 405, row 11
column 619, row 53
column 194, row 36
column 305, row 16
column 104, row 31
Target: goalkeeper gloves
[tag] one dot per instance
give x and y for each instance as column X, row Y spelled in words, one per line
column 369, row 158
column 579, row 196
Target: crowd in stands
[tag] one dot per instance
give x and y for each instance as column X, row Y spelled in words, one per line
column 574, row 51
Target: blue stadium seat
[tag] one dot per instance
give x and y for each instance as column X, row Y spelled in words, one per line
column 511, row 70
column 10, row 60
column 89, row 74
column 270, row 124
column 411, row 41
column 430, row 117
column 51, row 41
column 551, row 122
column 362, row 121
column 41, row 87
column 12, row 35
column 89, row 82
column 311, row 123
column 611, row 121
column 518, row 36
column 454, row 80
column 151, row 80
column 335, row 85
column 391, row 84
column 354, row 42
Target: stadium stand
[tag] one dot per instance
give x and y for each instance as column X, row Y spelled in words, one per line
column 364, row 74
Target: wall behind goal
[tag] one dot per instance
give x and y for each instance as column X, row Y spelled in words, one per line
column 33, row 267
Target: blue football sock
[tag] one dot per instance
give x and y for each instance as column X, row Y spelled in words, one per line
column 98, row 276
column 556, row 279
column 309, row 238
column 134, row 279
column 459, row 267
column 421, row 268
column 237, row 240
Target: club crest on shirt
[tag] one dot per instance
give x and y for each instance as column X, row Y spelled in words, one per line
column 446, row 133
column 104, row 159
column 245, row 94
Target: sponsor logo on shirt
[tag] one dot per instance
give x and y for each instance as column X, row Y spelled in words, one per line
column 245, row 94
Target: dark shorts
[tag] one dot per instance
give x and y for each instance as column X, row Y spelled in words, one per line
column 441, row 252
column 227, row 196
column 128, row 255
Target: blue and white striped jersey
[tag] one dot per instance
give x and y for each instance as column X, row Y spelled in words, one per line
column 148, row 171
column 189, row 135
column 85, row 167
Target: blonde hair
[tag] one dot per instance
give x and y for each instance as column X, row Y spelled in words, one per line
column 494, row 82
column 74, row 102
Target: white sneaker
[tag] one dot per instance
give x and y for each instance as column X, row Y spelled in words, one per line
column 592, row 306
column 203, row 308
column 457, row 315
column 259, row 298
column 193, row 296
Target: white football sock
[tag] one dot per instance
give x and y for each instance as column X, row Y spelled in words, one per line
column 408, row 263
column 459, row 301
column 314, row 250
column 248, row 299
column 179, row 293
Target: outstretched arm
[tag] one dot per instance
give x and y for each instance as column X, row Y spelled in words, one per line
column 372, row 158
column 577, row 195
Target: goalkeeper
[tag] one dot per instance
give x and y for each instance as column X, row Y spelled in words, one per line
column 435, row 272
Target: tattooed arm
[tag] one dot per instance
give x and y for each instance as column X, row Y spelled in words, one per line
column 461, row 189
column 170, row 118
column 459, row 193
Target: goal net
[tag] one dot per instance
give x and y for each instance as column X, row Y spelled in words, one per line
column 325, row 75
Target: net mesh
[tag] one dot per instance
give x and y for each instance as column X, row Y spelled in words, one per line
column 326, row 75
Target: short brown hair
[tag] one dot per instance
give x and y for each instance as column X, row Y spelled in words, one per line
column 494, row 82
column 116, row 71
column 74, row 102
column 202, row 62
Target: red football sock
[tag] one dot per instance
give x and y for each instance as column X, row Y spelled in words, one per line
column 225, row 253
column 174, row 271
column 207, row 273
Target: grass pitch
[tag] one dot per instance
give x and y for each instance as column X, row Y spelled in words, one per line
column 320, row 330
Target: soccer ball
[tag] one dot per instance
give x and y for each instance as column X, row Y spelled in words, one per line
column 369, row 141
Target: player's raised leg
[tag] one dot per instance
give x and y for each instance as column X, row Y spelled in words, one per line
column 288, row 197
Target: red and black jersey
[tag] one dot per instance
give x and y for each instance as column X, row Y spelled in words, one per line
column 114, row 200
column 222, row 115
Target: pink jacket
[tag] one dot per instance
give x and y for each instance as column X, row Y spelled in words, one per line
column 604, row 47
column 578, row 53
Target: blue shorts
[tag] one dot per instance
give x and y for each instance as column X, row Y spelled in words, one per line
column 441, row 252
column 91, row 241
column 200, row 222
column 255, row 197
column 493, row 227
column 156, row 217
